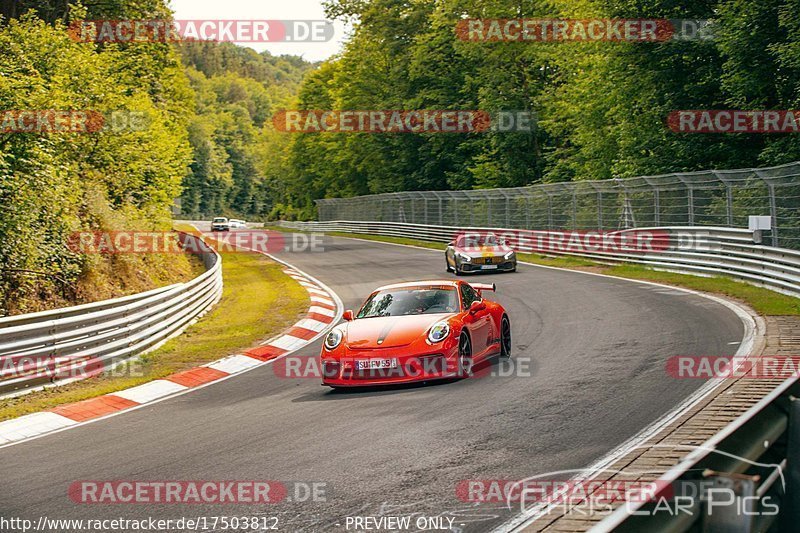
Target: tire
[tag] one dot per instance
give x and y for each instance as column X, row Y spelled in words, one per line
column 447, row 264
column 505, row 337
column 464, row 356
column 457, row 270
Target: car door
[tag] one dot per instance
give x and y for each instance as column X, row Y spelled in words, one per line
column 479, row 323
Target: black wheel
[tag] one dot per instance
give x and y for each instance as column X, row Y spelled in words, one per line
column 464, row 356
column 456, row 269
column 505, row 338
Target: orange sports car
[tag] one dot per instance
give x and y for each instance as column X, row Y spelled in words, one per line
column 417, row 331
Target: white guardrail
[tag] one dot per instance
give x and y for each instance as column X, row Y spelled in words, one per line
column 699, row 250
column 64, row 345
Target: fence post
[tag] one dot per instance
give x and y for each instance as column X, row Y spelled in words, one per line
column 729, row 203
column 527, row 210
column 574, row 209
column 773, row 207
column 657, row 202
column 599, row 210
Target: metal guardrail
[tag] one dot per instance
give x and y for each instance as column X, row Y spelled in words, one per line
column 65, row 345
column 744, row 479
column 756, row 456
column 704, row 198
column 691, row 249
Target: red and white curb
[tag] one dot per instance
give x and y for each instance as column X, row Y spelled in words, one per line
column 324, row 311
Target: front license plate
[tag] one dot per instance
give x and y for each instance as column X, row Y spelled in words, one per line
column 376, row 364
column 488, row 267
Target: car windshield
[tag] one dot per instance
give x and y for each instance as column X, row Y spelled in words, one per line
column 219, row 220
column 410, row 301
column 480, row 241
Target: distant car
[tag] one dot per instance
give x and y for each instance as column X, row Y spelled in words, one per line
column 235, row 223
column 479, row 253
column 220, row 224
column 417, row 331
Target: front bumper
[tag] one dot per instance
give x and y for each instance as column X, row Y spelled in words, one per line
column 505, row 266
column 440, row 362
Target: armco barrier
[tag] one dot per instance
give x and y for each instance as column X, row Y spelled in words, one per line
column 703, row 198
column 67, row 344
column 754, row 461
column 700, row 250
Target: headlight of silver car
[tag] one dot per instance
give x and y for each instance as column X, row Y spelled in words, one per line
column 439, row 331
column 509, row 255
column 333, row 339
column 465, row 258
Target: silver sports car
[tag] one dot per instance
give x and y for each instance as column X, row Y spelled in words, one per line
column 479, row 254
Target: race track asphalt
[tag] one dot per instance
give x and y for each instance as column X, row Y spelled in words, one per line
column 596, row 349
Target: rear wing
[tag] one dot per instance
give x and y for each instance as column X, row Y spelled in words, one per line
column 480, row 287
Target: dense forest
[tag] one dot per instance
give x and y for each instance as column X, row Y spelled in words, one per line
column 210, row 141
column 601, row 106
column 203, row 106
column 236, row 93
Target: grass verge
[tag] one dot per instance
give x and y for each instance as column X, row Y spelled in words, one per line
column 763, row 301
column 258, row 302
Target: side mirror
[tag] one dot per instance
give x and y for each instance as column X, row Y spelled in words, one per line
column 451, row 244
column 347, row 315
column 477, row 305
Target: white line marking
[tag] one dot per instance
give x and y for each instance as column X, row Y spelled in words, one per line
column 313, row 325
column 321, row 311
column 234, row 364
column 288, row 342
column 32, row 425
column 150, row 391
column 317, row 292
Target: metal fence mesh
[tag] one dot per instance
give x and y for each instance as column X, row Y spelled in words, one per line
column 705, row 198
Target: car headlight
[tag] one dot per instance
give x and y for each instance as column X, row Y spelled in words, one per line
column 465, row 258
column 333, row 339
column 509, row 255
column 439, row 331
